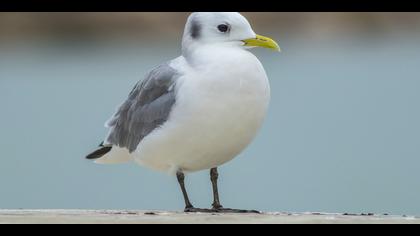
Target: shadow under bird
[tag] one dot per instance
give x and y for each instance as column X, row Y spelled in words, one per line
column 197, row 111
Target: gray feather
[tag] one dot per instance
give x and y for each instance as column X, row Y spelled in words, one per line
column 147, row 107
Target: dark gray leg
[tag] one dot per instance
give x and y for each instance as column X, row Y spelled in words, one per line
column 217, row 207
column 188, row 206
column 181, row 177
column 214, row 175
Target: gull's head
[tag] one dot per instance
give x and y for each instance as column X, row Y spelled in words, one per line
column 224, row 29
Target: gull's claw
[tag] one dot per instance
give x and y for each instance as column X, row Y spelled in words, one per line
column 197, row 210
column 229, row 210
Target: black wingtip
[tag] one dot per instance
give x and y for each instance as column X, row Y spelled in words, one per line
column 99, row 153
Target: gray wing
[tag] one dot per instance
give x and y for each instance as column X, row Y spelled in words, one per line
column 146, row 108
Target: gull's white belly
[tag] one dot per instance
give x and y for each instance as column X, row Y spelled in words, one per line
column 213, row 120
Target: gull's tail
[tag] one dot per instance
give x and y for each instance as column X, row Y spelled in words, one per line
column 109, row 154
column 100, row 152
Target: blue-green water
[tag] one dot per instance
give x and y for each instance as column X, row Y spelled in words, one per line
column 342, row 133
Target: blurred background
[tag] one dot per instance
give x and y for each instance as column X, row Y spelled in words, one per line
column 342, row 133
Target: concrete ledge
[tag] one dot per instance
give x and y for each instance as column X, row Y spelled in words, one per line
column 162, row 217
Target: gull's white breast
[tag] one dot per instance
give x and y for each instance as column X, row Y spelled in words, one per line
column 219, row 109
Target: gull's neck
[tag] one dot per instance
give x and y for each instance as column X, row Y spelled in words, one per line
column 201, row 54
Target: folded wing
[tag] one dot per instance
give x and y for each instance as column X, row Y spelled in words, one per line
column 147, row 107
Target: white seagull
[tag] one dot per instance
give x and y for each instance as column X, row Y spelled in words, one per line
column 197, row 111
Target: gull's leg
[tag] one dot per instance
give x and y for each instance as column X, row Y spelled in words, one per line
column 181, row 177
column 214, row 175
column 217, row 207
column 188, row 206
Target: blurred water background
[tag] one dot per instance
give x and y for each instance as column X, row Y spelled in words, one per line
column 342, row 133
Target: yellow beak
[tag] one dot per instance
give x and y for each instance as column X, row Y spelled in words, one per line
column 262, row 41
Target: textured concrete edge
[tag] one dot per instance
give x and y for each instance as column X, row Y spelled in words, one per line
column 59, row 216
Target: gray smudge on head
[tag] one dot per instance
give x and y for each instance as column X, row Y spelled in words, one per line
column 195, row 28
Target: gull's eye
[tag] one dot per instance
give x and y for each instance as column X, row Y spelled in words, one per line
column 223, row 28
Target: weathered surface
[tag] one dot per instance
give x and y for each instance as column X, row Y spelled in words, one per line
column 160, row 217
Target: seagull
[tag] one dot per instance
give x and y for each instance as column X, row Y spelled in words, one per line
column 197, row 111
